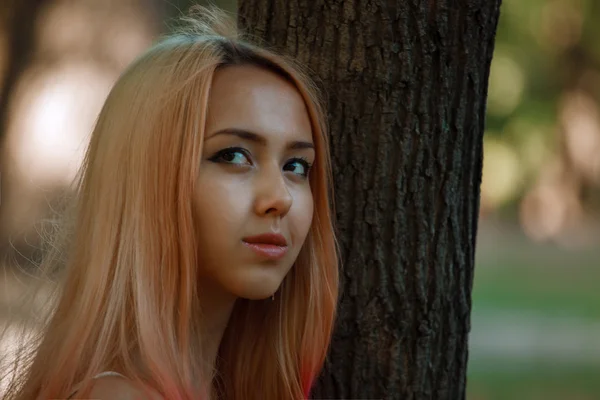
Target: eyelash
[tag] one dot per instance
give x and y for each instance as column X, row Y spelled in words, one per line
column 304, row 163
column 218, row 158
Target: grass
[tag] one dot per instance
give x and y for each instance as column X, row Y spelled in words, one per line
column 536, row 382
column 546, row 283
column 566, row 286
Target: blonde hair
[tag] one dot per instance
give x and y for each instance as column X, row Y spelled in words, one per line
column 127, row 268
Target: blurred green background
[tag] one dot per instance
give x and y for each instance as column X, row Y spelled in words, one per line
column 536, row 296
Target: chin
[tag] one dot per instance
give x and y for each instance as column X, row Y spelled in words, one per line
column 257, row 293
column 258, row 287
column 257, row 296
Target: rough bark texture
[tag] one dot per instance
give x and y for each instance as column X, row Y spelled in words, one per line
column 407, row 86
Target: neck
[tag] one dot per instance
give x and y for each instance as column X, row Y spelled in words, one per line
column 217, row 305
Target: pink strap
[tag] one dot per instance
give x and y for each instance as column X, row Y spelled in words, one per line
column 109, row 373
column 100, row 375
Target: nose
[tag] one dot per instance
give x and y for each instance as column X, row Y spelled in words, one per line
column 273, row 196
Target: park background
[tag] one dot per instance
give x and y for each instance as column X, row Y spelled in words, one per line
column 536, row 296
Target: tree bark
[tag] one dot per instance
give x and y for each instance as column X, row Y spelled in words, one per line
column 407, row 86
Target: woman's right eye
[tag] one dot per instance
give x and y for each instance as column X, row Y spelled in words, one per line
column 232, row 155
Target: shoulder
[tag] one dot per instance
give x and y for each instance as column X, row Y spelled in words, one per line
column 118, row 388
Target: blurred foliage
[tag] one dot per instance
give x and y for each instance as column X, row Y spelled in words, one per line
column 545, row 49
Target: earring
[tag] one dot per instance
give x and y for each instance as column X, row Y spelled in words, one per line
column 273, row 297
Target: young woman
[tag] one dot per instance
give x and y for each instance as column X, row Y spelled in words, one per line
column 200, row 262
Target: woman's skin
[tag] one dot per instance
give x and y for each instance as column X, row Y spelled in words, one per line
column 257, row 152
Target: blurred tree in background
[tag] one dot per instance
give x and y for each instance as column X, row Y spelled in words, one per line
column 58, row 60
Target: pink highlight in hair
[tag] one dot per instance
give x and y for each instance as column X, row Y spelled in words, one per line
column 308, row 378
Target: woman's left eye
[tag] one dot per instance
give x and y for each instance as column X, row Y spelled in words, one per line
column 298, row 166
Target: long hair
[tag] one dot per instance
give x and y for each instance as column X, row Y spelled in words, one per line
column 127, row 265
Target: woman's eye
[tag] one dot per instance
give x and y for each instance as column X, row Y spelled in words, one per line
column 298, row 166
column 232, row 156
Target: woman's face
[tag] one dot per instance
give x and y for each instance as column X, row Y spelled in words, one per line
column 253, row 201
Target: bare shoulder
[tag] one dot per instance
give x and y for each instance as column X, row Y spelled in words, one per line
column 118, row 388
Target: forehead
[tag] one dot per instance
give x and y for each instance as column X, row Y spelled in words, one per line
column 259, row 100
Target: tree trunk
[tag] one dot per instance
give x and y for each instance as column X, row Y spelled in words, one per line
column 407, row 86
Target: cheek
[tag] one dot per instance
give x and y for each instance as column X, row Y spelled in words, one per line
column 303, row 215
column 219, row 208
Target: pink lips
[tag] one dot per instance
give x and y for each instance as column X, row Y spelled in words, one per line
column 269, row 245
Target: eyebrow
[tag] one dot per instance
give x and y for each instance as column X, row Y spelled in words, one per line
column 255, row 137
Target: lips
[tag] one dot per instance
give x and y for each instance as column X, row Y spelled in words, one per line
column 267, row 245
column 266, row 238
